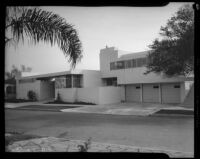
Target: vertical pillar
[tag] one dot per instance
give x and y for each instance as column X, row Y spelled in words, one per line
column 141, row 93
column 72, row 81
column 160, row 94
column 125, row 93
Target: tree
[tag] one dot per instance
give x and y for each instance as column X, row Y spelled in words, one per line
column 16, row 71
column 40, row 25
column 174, row 53
column 25, row 69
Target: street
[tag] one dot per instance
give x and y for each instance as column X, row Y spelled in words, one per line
column 169, row 133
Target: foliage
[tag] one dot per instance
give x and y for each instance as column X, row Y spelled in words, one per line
column 174, row 54
column 58, row 99
column 42, row 26
column 16, row 71
column 25, row 69
column 16, row 136
column 31, row 95
column 86, row 146
column 17, row 100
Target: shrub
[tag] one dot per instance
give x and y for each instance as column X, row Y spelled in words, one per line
column 58, row 99
column 31, row 95
column 86, row 146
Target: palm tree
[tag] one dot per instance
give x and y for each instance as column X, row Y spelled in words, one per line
column 40, row 25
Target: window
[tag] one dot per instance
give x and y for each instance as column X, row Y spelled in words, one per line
column 112, row 66
column 60, row 82
column 120, row 64
column 155, row 86
column 68, row 81
column 77, row 81
column 110, row 81
column 176, row 86
column 128, row 64
column 137, row 87
column 134, row 63
column 27, row 80
column 141, row 62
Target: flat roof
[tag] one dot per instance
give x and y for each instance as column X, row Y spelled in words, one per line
column 56, row 74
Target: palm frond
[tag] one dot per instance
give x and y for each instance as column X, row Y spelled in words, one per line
column 40, row 25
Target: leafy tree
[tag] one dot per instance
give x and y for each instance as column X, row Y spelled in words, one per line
column 40, row 25
column 16, row 71
column 25, row 69
column 174, row 53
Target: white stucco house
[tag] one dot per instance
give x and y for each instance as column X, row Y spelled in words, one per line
column 120, row 79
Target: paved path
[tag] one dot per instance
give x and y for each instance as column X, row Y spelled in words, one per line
column 167, row 133
column 52, row 144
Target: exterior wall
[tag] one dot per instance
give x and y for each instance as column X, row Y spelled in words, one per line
column 136, row 75
column 189, row 99
column 130, row 75
column 107, row 55
column 97, row 95
column 109, row 95
column 46, row 90
column 91, row 78
column 188, row 86
column 23, row 88
column 183, row 92
column 67, row 94
column 89, row 95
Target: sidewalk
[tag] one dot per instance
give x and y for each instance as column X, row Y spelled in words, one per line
column 52, row 144
column 138, row 109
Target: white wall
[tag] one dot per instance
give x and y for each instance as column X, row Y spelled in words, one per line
column 97, row 95
column 91, row 78
column 183, row 92
column 67, row 94
column 136, row 75
column 89, row 95
column 23, row 88
column 106, row 55
column 109, row 95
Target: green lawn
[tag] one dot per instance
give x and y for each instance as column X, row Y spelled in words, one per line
column 61, row 102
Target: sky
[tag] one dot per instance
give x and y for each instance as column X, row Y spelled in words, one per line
column 127, row 28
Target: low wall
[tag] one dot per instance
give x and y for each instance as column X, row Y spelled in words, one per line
column 66, row 94
column 97, row 95
column 89, row 95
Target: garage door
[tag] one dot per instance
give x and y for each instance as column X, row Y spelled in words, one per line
column 170, row 93
column 133, row 93
column 151, row 93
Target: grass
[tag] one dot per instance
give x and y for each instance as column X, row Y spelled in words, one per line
column 15, row 136
column 61, row 102
column 44, row 108
column 181, row 112
column 17, row 100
